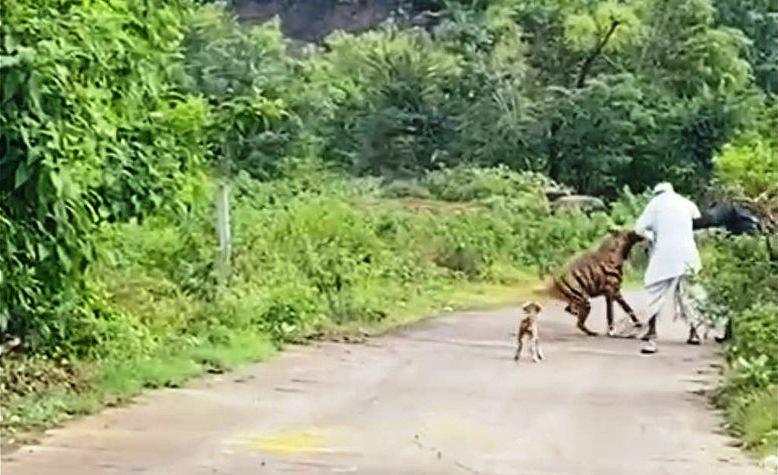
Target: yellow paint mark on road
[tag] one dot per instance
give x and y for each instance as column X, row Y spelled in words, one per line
column 291, row 442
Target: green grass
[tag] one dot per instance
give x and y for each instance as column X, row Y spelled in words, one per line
column 753, row 418
column 117, row 382
column 759, row 422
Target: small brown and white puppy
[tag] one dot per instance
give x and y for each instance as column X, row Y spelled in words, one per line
column 528, row 328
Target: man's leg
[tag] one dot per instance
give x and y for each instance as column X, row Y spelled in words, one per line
column 648, row 346
column 694, row 337
column 687, row 311
column 651, row 332
column 658, row 294
column 727, row 332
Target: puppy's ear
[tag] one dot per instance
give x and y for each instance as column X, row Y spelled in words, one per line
column 531, row 306
column 614, row 231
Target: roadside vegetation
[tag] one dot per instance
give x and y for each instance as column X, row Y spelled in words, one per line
column 373, row 179
column 742, row 283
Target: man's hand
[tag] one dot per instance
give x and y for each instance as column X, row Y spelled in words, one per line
column 703, row 223
column 647, row 234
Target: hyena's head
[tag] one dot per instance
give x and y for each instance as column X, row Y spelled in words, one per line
column 623, row 240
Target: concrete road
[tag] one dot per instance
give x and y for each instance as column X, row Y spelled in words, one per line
column 443, row 397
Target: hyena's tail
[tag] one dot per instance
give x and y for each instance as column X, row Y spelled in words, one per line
column 549, row 290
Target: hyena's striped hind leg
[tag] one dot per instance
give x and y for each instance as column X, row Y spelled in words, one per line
column 581, row 310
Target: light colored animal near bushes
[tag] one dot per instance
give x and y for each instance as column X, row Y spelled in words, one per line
column 583, row 203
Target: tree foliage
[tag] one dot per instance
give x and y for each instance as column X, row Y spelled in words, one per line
column 244, row 74
column 94, row 129
column 114, row 111
column 589, row 92
column 758, row 20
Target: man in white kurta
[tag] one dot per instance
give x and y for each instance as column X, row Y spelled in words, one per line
column 667, row 224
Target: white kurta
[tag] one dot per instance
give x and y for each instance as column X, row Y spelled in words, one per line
column 667, row 221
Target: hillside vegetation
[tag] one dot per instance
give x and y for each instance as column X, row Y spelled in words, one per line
column 372, row 178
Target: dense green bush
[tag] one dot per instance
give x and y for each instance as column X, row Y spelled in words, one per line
column 742, row 284
column 246, row 74
column 753, row 418
column 757, row 19
column 94, row 129
column 468, row 184
column 750, row 164
column 732, row 267
column 381, row 101
column 741, row 276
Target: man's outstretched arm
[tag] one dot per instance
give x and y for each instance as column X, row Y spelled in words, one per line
column 703, row 222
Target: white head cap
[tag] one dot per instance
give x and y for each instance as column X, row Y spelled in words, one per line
column 662, row 188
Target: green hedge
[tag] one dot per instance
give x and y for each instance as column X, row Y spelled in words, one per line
column 742, row 284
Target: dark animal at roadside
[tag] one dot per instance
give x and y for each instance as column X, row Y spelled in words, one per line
column 732, row 217
column 594, row 274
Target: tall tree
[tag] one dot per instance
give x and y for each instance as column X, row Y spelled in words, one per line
column 758, row 20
